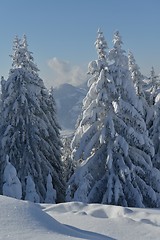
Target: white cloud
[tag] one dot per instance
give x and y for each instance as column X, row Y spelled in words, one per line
column 65, row 72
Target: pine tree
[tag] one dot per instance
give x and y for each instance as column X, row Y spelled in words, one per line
column 139, row 84
column 51, row 192
column 113, row 149
column 152, row 87
column 89, row 116
column 153, row 93
column 21, row 57
column 136, row 75
column 29, row 129
column 66, row 157
column 155, row 132
column 31, row 194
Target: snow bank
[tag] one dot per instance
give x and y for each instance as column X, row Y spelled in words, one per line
column 23, row 220
column 114, row 221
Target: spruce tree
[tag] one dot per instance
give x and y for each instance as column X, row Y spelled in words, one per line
column 87, row 144
column 153, row 93
column 51, row 192
column 113, row 148
column 91, row 104
column 136, row 75
column 66, row 157
column 31, row 193
column 29, row 129
column 152, row 87
column 139, row 83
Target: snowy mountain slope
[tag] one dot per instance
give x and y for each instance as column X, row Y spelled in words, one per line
column 22, row 220
column 69, row 102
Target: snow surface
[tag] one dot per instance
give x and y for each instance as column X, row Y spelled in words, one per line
column 23, row 220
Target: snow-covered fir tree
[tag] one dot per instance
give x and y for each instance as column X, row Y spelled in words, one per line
column 153, row 93
column 152, row 87
column 139, row 84
column 31, row 193
column 11, row 184
column 89, row 111
column 136, row 75
column 29, row 129
column 86, row 138
column 51, row 192
column 21, row 57
column 155, row 131
column 66, row 157
column 111, row 142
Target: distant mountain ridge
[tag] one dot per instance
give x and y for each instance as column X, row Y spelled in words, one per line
column 69, row 103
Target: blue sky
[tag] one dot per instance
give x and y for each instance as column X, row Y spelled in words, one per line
column 61, row 33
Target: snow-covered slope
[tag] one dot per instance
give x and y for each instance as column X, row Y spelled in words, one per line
column 69, row 102
column 22, row 220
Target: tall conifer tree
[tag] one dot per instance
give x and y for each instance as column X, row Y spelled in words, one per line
column 29, row 130
column 138, row 80
column 153, row 94
column 113, row 148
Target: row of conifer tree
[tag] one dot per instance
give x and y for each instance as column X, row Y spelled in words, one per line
column 113, row 156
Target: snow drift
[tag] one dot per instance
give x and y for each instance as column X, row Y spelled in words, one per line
column 23, row 220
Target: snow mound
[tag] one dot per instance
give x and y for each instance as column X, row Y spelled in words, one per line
column 106, row 211
column 22, row 220
column 25, row 220
column 114, row 221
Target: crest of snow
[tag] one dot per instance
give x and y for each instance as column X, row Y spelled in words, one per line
column 115, row 105
column 92, row 67
column 109, row 159
column 157, row 99
column 102, row 137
